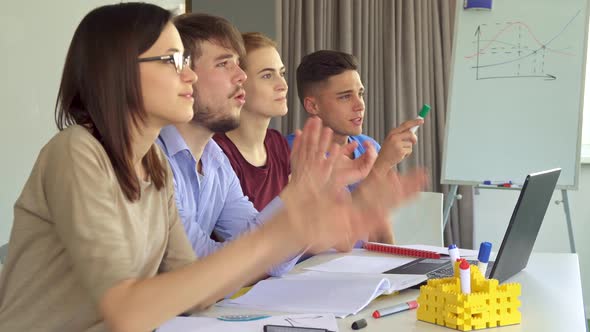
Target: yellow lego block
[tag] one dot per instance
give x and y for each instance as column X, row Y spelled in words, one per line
column 489, row 304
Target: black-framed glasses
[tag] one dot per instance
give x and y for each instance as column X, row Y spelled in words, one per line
column 178, row 59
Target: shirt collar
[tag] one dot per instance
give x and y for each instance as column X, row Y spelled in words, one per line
column 359, row 147
column 172, row 140
column 213, row 152
column 174, row 144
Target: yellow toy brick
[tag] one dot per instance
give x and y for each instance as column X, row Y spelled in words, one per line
column 489, row 304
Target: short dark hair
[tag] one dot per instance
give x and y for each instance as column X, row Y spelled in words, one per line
column 100, row 87
column 319, row 66
column 195, row 28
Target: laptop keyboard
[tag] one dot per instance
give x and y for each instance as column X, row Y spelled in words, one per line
column 447, row 271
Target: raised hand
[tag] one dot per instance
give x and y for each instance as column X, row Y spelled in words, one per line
column 317, row 202
column 320, row 212
column 351, row 171
column 397, row 145
column 381, row 192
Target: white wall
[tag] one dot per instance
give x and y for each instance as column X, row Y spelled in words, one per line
column 493, row 209
column 34, row 38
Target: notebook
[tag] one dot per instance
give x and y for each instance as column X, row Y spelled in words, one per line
column 519, row 238
column 341, row 294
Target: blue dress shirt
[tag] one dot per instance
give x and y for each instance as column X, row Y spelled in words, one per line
column 212, row 203
column 360, row 149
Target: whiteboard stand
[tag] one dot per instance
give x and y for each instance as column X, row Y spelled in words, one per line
column 449, row 201
column 568, row 219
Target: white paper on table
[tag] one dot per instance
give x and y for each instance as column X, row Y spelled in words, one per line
column 362, row 264
column 397, row 282
column 205, row 324
column 319, row 292
column 465, row 253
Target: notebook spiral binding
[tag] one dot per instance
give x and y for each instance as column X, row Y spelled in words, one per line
column 394, row 250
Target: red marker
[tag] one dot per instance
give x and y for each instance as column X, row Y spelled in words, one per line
column 395, row 309
column 465, row 276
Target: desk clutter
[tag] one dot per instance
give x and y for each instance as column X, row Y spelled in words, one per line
column 545, row 306
column 487, row 304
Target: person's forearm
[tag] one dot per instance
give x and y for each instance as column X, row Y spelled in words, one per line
column 382, row 166
column 142, row 305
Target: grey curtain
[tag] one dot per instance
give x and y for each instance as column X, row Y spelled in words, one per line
column 404, row 51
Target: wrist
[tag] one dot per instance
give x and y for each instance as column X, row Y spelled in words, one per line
column 381, row 167
column 285, row 233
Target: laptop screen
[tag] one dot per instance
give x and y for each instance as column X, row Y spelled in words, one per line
column 524, row 224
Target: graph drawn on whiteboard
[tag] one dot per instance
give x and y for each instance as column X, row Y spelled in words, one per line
column 516, row 92
column 512, row 50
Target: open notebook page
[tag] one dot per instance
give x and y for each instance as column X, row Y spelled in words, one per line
column 318, row 292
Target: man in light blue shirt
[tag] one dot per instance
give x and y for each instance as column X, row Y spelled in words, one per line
column 209, row 197
column 211, row 203
column 329, row 87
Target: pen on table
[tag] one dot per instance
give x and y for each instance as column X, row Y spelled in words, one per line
column 359, row 324
column 395, row 309
column 489, row 182
column 421, row 115
column 454, row 254
column 506, row 185
column 465, row 276
column 483, row 257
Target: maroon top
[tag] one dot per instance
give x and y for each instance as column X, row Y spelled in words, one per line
column 260, row 184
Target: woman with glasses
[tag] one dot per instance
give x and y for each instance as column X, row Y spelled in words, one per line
column 97, row 243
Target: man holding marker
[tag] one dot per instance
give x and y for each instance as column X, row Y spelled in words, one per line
column 329, row 87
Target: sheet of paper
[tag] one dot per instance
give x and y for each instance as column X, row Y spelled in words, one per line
column 396, row 281
column 466, row 253
column 206, row 324
column 362, row 264
column 318, row 292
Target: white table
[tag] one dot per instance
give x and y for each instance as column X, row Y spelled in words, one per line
column 551, row 299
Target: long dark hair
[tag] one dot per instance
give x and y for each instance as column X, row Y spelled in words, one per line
column 100, row 87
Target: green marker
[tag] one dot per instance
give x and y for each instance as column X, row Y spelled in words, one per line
column 425, row 109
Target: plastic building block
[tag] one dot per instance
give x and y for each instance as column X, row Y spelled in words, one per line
column 489, row 304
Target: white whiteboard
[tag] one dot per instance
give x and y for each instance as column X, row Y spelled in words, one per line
column 515, row 106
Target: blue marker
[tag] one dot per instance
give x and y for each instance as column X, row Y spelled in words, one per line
column 485, row 248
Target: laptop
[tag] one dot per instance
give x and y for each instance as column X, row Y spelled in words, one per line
column 519, row 238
